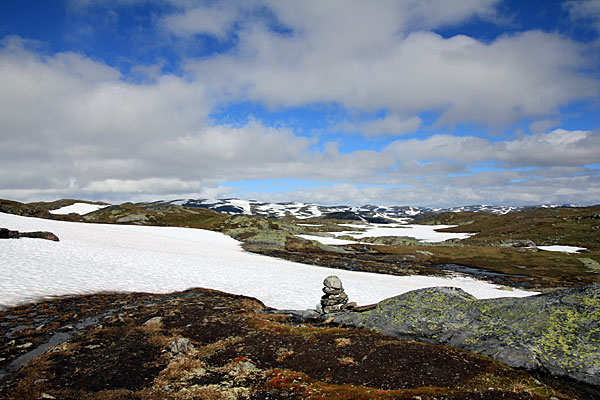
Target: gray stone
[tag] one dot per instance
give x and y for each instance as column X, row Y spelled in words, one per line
column 332, row 300
column 332, row 291
column 153, row 320
column 180, row 346
column 333, row 282
column 318, row 309
column 331, row 309
column 557, row 332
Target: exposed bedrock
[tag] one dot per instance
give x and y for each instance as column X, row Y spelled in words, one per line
column 557, row 332
column 8, row 234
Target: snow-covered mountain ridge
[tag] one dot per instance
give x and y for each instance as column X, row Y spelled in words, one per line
column 309, row 210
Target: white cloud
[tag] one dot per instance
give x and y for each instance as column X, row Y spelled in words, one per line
column 215, row 20
column 467, row 149
column 74, row 129
column 485, row 189
column 81, row 105
column 367, row 23
column 557, row 148
column 585, row 10
column 528, row 75
column 371, row 56
column 389, row 125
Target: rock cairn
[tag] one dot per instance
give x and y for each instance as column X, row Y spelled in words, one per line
column 334, row 299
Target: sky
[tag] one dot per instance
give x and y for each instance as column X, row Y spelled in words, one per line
column 406, row 102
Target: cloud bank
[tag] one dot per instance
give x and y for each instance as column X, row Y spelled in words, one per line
column 73, row 126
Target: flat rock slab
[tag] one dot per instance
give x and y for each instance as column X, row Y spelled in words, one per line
column 557, row 332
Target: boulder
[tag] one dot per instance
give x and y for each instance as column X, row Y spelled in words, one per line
column 558, row 332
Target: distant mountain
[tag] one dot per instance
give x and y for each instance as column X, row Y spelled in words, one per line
column 366, row 213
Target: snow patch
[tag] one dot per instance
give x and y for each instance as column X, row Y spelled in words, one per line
column 564, row 249
column 78, row 208
column 327, row 240
column 315, row 211
column 102, row 257
column 424, row 233
column 243, row 204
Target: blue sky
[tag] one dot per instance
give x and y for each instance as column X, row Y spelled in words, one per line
column 413, row 102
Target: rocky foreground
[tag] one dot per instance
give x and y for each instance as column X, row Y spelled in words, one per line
column 558, row 332
column 203, row 344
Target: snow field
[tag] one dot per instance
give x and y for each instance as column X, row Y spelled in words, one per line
column 97, row 257
column 424, row 233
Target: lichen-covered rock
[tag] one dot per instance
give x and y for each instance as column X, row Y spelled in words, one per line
column 558, row 332
column 590, row 263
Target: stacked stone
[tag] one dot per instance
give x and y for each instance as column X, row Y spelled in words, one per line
column 334, row 299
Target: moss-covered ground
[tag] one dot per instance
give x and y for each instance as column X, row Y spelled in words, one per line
column 528, row 267
column 575, row 226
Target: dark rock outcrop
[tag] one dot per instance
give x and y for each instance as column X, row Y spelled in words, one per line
column 557, row 332
column 8, row 234
column 517, row 243
column 41, row 235
column 344, row 215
